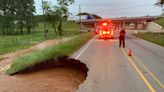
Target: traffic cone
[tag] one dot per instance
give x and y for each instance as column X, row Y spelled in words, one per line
column 130, row 52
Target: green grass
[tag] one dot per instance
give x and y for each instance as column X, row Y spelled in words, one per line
column 152, row 37
column 160, row 21
column 25, row 41
column 64, row 49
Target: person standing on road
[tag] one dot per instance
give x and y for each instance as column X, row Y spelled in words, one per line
column 122, row 38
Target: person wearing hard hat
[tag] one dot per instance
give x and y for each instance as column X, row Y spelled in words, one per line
column 122, row 38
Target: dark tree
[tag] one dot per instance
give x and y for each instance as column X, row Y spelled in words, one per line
column 24, row 14
column 16, row 14
column 160, row 3
column 7, row 12
column 64, row 11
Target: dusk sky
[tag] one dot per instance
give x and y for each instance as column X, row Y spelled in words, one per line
column 111, row 8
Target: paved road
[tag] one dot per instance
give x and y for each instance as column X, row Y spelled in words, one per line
column 111, row 70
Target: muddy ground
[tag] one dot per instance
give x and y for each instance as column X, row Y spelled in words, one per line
column 54, row 75
column 51, row 76
column 59, row 79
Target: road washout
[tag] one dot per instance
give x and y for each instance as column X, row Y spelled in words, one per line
column 54, row 75
column 6, row 60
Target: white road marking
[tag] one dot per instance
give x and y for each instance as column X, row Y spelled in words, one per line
column 93, row 39
column 84, row 49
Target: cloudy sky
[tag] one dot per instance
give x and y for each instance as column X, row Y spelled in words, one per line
column 111, row 8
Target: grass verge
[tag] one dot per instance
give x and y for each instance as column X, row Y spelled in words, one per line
column 63, row 49
column 152, row 37
column 160, row 21
column 11, row 43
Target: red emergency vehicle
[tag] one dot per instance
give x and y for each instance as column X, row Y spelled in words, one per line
column 104, row 29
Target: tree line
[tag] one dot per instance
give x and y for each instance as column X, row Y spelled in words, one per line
column 17, row 16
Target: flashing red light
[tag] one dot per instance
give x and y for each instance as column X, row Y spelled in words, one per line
column 105, row 24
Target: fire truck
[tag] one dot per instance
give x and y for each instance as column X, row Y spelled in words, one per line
column 104, row 29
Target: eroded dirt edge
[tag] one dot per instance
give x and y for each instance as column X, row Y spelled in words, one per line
column 61, row 74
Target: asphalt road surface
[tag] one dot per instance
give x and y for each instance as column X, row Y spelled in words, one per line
column 112, row 70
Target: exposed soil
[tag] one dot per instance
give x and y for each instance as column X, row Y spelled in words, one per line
column 59, row 79
column 54, row 75
column 7, row 59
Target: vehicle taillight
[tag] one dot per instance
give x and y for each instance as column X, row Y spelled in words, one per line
column 108, row 32
column 104, row 32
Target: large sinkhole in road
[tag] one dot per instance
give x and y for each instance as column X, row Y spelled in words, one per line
column 54, row 75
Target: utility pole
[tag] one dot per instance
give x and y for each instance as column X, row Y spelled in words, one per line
column 80, row 18
column 45, row 31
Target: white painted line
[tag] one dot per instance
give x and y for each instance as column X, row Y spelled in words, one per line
column 84, row 49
